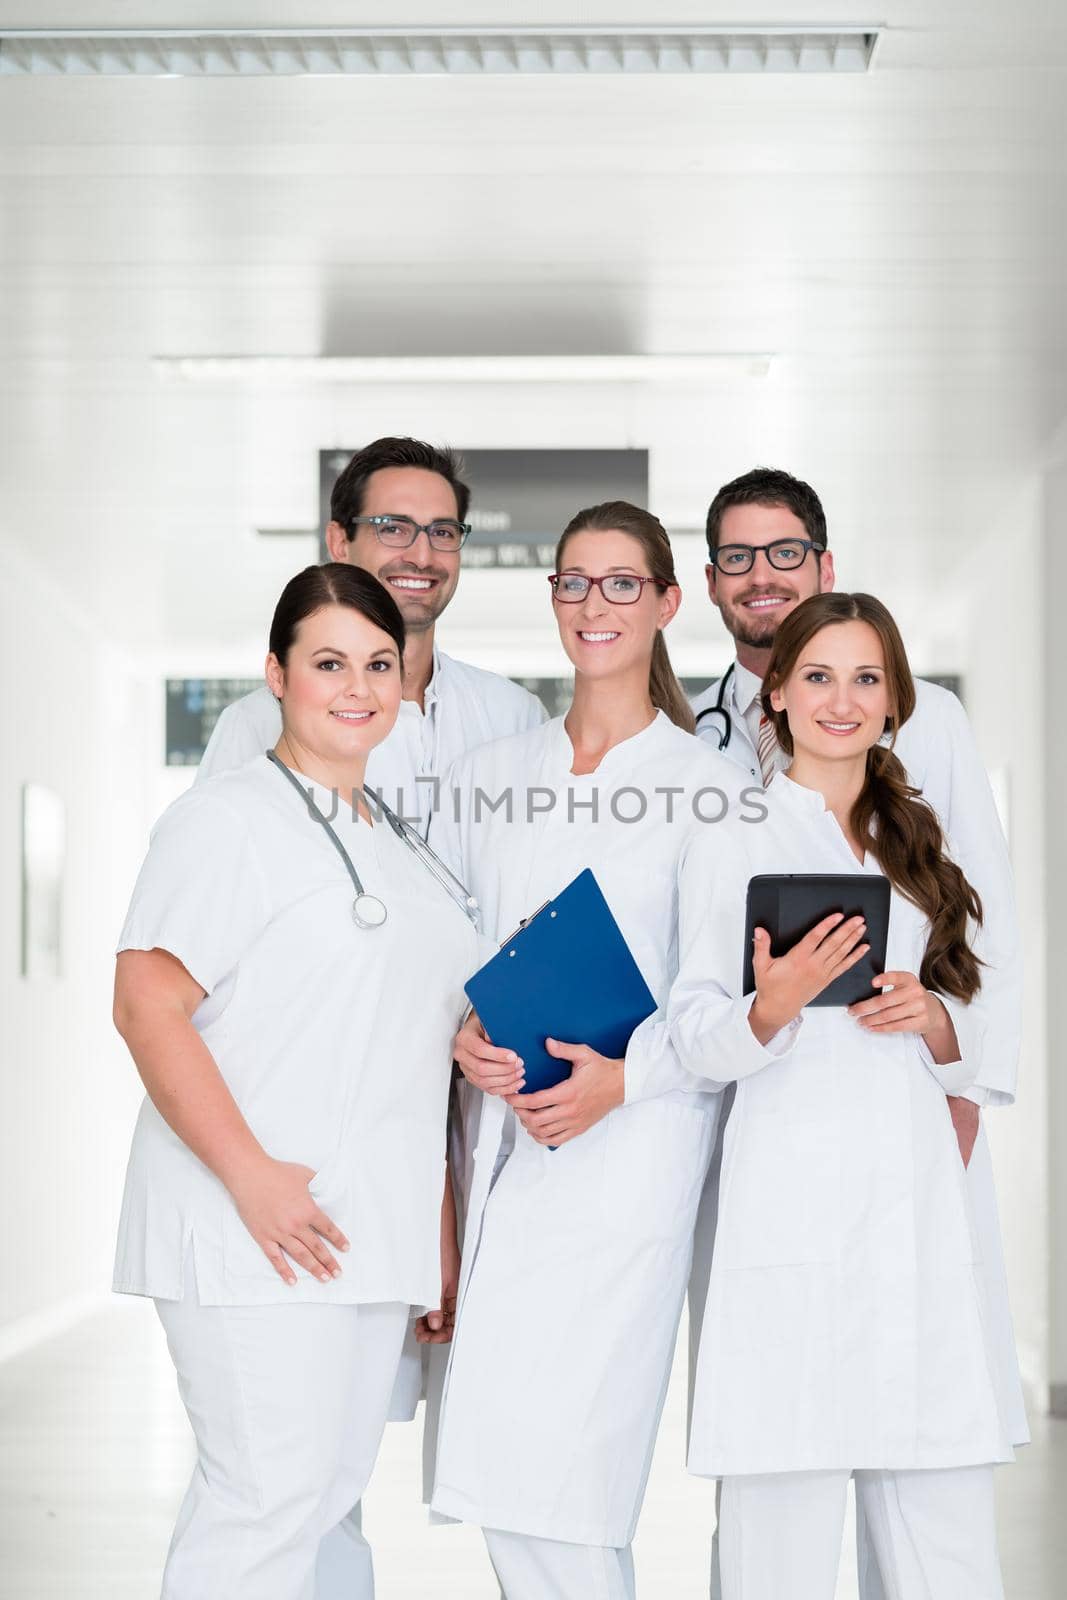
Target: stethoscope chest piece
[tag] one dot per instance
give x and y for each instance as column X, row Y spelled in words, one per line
column 368, row 911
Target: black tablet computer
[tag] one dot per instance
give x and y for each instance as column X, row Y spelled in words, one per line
column 790, row 904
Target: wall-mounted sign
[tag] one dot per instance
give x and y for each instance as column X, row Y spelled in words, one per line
column 521, row 500
column 193, row 707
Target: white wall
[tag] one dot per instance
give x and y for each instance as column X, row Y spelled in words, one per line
column 1053, row 571
column 1003, row 679
column 73, row 718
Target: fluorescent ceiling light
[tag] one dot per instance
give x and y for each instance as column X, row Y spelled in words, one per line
column 228, row 52
column 699, row 368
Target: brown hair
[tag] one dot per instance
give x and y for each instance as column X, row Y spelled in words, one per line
column 335, row 583
column 890, row 818
column 346, row 497
column 769, row 486
column 664, row 690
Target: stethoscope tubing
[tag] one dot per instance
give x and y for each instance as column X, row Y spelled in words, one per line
column 442, row 874
column 719, row 709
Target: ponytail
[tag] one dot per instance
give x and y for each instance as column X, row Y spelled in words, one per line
column 664, row 690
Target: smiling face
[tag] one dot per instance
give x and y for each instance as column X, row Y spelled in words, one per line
column 837, row 696
column 339, row 687
column 420, row 579
column 753, row 604
column 602, row 639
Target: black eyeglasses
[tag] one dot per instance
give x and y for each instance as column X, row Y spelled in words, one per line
column 400, row 533
column 620, row 588
column 784, row 555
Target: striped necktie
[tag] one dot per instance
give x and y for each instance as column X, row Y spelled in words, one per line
column 767, row 748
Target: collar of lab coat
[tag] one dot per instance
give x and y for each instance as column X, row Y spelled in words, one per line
column 620, row 755
column 746, row 688
column 790, row 793
column 433, row 688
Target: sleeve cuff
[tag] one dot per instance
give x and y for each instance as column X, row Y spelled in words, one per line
column 651, row 1066
column 955, row 1077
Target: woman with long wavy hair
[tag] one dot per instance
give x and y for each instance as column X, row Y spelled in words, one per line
column 844, row 1333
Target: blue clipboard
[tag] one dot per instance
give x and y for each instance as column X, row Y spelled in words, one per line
column 566, row 974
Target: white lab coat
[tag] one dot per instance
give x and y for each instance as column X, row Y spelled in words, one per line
column 575, row 1264
column 465, row 706
column 845, row 1325
column 309, row 1020
column 938, row 750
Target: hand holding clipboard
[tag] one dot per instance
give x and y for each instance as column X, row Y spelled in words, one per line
column 567, row 975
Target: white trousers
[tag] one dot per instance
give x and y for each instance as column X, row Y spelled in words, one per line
column 287, row 1404
column 345, row 1569
column 547, row 1569
column 932, row 1533
column 869, row 1579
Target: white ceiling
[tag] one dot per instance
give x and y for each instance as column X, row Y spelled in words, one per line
column 897, row 238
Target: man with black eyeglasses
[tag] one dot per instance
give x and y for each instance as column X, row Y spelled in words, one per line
column 398, row 511
column 768, row 551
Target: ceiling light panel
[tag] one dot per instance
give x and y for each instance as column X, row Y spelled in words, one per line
column 287, row 52
column 702, row 367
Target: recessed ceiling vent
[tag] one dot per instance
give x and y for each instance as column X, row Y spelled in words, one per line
column 287, row 52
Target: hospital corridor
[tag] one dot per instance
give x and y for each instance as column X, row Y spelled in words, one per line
column 532, row 552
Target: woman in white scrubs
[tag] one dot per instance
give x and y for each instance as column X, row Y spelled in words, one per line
column 844, row 1331
column 576, row 1258
column 283, row 1202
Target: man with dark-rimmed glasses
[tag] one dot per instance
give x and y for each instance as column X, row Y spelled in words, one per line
column 398, row 511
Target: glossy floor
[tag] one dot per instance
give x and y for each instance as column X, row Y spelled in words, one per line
column 95, row 1451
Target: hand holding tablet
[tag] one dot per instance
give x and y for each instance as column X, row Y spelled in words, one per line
column 825, row 918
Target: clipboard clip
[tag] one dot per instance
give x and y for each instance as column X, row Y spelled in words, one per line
column 525, row 923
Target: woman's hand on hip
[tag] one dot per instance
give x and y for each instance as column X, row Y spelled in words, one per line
column 786, row 984
column 281, row 1214
column 482, row 1064
column 595, row 1087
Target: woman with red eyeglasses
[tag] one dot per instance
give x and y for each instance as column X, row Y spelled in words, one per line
column 577, row 1257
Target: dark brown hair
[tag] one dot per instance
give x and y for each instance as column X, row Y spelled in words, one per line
column 890, row 818
column 769, row 486
column 335, row 583
column 611, row 516
column 346, row 499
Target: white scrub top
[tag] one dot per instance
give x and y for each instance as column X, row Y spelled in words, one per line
column 465, row 707
column 311, row 1023
column 845, row 1324
column 575, row 1264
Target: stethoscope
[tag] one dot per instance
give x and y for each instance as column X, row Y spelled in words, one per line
column 368, row 911
column 719, row 709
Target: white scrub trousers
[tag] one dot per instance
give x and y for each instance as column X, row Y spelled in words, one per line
column 547, row 1569
column 932, row 1531
column 288, row 1404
